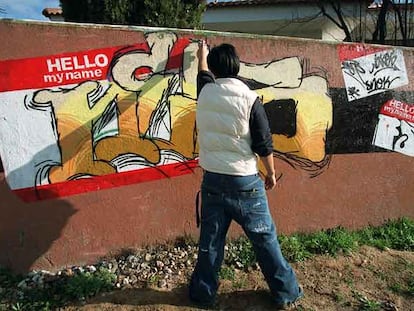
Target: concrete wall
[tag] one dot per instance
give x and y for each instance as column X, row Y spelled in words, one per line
column 98, row 145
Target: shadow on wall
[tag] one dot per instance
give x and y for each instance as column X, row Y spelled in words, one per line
column 27, row 231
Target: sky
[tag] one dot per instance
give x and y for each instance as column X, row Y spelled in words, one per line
column 26, row 9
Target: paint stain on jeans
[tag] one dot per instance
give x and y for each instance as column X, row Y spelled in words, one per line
column 261, row 227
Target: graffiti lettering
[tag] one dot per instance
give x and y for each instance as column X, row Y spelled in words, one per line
column 75, row 63
column 398, row 109
column 374, row 73
column 73, row 75
column 84, row 74
column 353, row 92
column 56, row 78
column 136, row 109
column 409, row 115
column 353, row 68
column 402, row 106
column 405, row 142
column 381, row 83
column 384, row 61
column 394, row 134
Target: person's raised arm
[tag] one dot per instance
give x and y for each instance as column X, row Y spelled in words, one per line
column 204, row 75
column 202, row 56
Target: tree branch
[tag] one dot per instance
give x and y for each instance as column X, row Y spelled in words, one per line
column 403, row 27
column 337, row 9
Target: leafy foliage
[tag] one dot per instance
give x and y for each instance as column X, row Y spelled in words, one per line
column 86, row 284
column 395, row 234
column 293, row 248
column 174, row 13
column 227, row 273
column 240, row 253
column 331, row 241
column 45, row 298
column 160, row 13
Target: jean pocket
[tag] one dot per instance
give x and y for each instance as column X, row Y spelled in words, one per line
column 253, row 193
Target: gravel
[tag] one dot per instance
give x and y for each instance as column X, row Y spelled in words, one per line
column 160, row 266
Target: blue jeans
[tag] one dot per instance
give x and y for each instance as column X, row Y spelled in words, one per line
column 242, row 198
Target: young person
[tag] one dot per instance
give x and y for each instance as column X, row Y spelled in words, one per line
column 233, row 133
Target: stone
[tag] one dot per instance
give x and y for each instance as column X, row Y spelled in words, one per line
column 162, row 283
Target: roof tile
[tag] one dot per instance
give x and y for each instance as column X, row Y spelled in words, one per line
column 218, row 3
column 47, row 12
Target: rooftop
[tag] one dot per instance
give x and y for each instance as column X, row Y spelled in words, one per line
column 218, row 3
column 48, row 12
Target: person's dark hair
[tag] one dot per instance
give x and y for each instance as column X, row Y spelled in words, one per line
column 223, row 61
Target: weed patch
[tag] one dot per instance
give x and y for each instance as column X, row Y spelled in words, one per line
column 50, row 296
column 293, row 248
column 395, row 234
column 227, row 273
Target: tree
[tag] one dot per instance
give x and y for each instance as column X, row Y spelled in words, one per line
column 336, row 6
column 391, row 21
column 381, row 28
column 174, row 13
column 161, row 13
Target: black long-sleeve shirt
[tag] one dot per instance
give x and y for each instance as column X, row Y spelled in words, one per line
column 258, row 122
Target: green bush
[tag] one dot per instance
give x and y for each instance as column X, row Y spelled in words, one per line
column 293, row 248
column 395, row 234
column 86, row 284
column 331, row 241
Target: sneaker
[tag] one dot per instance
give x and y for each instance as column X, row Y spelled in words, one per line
column 293, row 305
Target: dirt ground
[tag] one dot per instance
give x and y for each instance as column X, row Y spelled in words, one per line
column 369, row 279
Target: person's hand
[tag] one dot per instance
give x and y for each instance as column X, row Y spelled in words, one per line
column 202, row 50
column 270, row 181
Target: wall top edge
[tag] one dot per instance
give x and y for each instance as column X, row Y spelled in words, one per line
column 198, row 32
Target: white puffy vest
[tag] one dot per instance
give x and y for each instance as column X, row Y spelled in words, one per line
column 223, row 113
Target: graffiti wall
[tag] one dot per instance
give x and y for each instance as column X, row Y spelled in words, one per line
column 89, row 120
column 99, row 113
column 108, row 125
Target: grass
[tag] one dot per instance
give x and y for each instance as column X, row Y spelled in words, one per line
column 153, row 280
column 370, row 305
column 396, row 234
column 405, row 284
column 88, row 284
column 227, row 273
column 404, row 287
column 365, row 304
column 240, row 253
column 44, row 298
column 240, row 282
